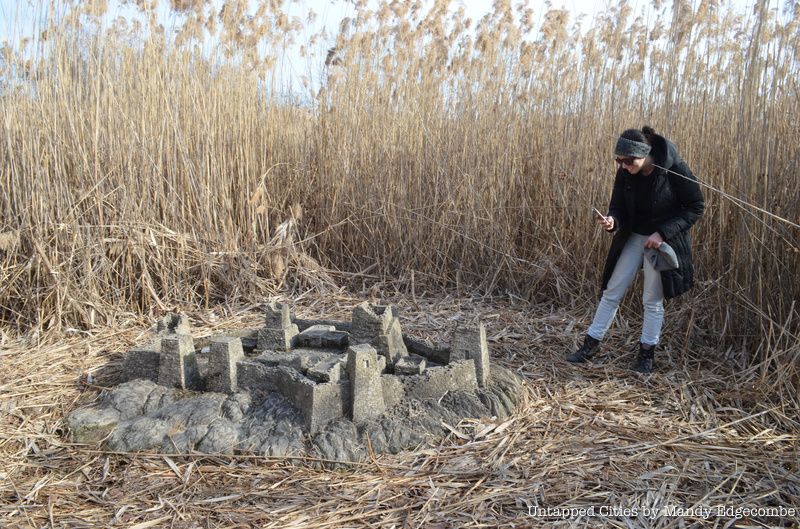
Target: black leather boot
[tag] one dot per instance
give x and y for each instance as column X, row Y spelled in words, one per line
column 644, row 360
column 586, row 352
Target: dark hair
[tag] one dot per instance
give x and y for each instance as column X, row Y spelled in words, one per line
column 643, row 136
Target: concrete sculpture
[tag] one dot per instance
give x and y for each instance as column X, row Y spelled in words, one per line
column 297, row 387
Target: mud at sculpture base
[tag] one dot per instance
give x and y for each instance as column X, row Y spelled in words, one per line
column 325, row 393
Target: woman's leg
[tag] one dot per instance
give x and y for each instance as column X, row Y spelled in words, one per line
column 630, row 261
column 653, row 302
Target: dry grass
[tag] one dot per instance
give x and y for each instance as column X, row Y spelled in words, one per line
column 441, row 154
column 698, row 433
column 140, row 173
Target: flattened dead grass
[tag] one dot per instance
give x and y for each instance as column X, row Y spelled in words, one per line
column 697, row 433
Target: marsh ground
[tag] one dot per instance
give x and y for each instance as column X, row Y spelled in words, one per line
column 699, row 433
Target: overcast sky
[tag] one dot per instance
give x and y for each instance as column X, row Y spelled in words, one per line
column 330, row 13
column 19, row 18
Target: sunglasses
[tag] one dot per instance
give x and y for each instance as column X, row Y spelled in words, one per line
column 625, row 161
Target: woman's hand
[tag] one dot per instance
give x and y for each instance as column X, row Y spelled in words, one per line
column 654, row 241
column 606, row 222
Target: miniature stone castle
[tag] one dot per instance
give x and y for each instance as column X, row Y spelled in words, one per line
column 328, row 370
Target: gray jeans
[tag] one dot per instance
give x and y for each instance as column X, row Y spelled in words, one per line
column 630, row 261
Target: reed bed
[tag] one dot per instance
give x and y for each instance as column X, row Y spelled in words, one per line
column 699, row 433
column 445, row 162
column 145, row 167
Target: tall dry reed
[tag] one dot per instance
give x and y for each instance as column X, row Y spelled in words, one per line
column 145, row 168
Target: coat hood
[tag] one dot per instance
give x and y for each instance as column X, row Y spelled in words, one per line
column 664, row 152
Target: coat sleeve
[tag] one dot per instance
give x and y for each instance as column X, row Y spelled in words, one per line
column 689, row 200
column 616, row 208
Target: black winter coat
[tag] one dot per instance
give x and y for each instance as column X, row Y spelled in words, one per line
column 676, row 203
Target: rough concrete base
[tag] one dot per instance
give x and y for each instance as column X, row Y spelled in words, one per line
column 178, row 362
column 322, row 336
column 282, row 339
column 438, row 354
column 302, row 360
column 411, row 365
column 143, row 362
column 393, row 389
column 320, row 403
column 143, row 416
column 435, row 382
column 366, row 389
column 173, row 323
column 225, row 354
column 92, row 425
column 469, row 342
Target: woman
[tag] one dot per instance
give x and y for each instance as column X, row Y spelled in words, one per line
column 656, row 199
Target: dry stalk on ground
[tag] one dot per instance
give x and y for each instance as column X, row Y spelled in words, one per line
column 140, row 175
column 698, row 433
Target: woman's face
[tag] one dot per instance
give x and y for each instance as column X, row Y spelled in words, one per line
column 632, row 165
